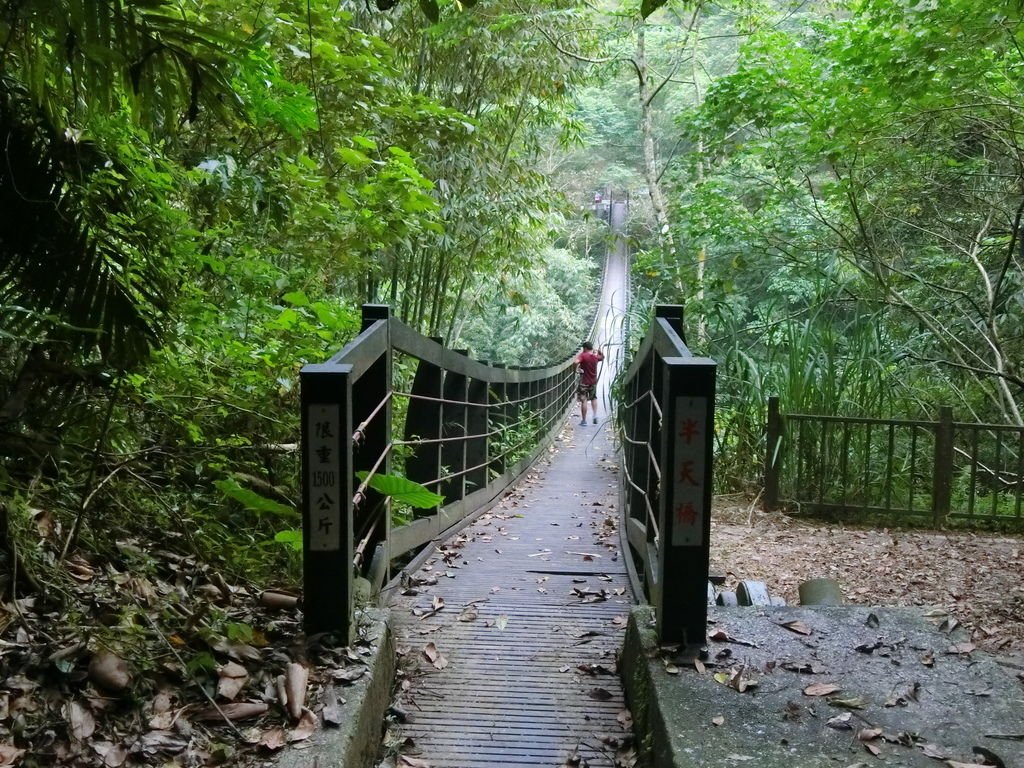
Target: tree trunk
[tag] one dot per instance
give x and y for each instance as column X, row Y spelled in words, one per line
column 651, row 174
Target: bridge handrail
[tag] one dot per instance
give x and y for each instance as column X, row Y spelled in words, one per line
column 458, row 412
column 666, row 423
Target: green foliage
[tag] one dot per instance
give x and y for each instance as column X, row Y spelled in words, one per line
column 852, row 185
column 254, row 501
column 540, row 318
column 402, row 490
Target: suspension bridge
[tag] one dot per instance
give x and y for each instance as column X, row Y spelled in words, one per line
column 508, row 602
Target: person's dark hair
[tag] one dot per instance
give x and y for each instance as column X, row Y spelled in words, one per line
column 587, row 345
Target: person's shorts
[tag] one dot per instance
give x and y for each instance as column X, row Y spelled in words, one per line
column 586, row 392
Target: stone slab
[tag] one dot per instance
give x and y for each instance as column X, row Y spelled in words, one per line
column 894, row 668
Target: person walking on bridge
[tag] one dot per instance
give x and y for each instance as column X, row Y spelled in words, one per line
column 586, row 365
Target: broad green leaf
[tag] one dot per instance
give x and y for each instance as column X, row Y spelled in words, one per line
column 297, row 298
column 403, row 490
column 353, row 157
column 254, row 501
column 290, row 538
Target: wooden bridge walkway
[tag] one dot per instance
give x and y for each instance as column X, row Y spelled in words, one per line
column 511, row 628
column 508, row 634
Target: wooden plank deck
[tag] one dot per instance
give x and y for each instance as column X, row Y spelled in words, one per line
column 527, row 608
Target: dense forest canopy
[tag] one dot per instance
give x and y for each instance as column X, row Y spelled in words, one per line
column 197, row 195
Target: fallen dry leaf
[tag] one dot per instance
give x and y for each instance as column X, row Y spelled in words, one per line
column 10, row 755
column 273, row 739
column 736, row 680
column 161, row 741
column 348, row 675
column 600, row 694
column 305, row 728
column 821, row 689
column 81, row 720
column 113, row 755
column 961, row 648
column 434, row 656
column 405, row 761
column 853, row 703
column 869, row 734
column 332, row 711
column 721, row 636
column 840, row 722
column 799, row 627
column 231, row 681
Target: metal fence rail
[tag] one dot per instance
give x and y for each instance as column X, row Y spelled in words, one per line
column 915, row 470
column 666, row 419
column 468, row 430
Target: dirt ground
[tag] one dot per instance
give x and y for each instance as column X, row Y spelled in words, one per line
column 976, row 579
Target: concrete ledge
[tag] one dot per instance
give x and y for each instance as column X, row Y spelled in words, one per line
column 893, row 669
column 356, row 742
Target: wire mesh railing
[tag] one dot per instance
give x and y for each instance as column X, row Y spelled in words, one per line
column 396, row 404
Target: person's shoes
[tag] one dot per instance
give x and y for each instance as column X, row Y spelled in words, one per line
column 583, row 423
column 595, row 419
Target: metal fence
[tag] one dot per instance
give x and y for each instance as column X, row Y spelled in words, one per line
column 911, row 470
column 395, row 401
column 666, row 415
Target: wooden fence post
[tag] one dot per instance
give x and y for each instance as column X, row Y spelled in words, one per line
column 942, row 481
column 773, row 454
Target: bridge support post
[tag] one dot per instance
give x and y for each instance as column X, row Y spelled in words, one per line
column 453, row 430
column 476, row 435
column 327, row 479
column 687, row 397
column 423, row 422
column 371, row 417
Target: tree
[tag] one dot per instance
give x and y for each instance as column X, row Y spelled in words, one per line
column 81, row 256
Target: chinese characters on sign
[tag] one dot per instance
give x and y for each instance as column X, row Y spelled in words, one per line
column 324, row 478
column 688, row 479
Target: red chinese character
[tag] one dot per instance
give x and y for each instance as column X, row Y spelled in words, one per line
column 686, row 474
column 690, row 429
column 686, row 514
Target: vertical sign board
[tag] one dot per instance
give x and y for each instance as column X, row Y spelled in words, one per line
column 324, row 480
column 685, row 508
column 690, row 475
